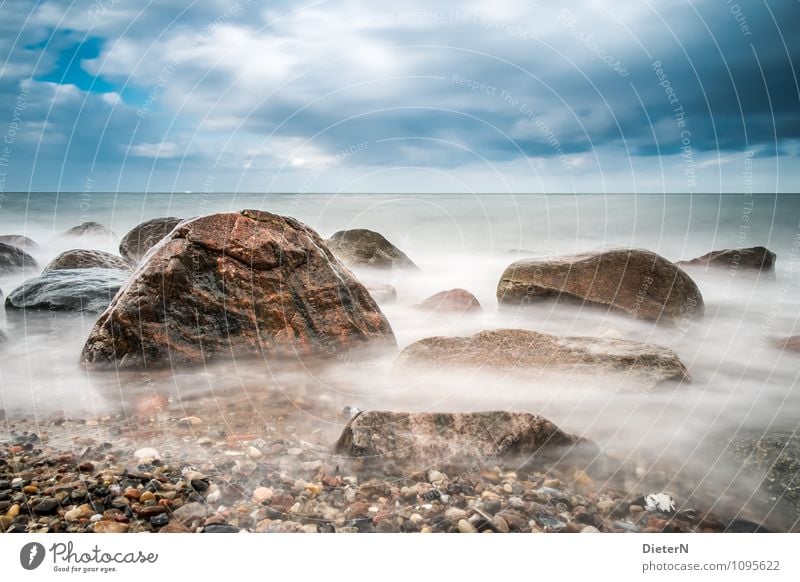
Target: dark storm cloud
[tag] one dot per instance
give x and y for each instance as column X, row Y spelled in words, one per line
column 229, row 85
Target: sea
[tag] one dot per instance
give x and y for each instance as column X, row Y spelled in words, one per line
column 679, row 437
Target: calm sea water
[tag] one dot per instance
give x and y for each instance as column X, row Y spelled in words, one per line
column 742, row 385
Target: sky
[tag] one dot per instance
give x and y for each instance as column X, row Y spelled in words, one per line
column 390, row 96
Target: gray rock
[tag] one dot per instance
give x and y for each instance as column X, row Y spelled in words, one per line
column 87, row 259
column 636, row 282
column 19, row 241
column 366, row 248
column 637, row 365
column 145, row 236
column 13, row 259
column 381, row 292
column 189, row 512
column 83, row 290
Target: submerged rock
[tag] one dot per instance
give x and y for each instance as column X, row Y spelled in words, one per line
column 454, row 301
column 382, row 292
column 774, row 458
column 145, row 236
column 14, row 259
column 84, row 290
column 748, row 259
column 246, row 283
column 87, row 259
column 366, row 248
column 636, row 282
column 89, row 228
column 416, row 441
column 19, row 241
column 788, row 344
column 640, row 365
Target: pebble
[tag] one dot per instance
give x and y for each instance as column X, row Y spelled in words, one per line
column 590, row 529
column 106, row 526
column 262, row 494
column 465, row 527
column 254, row 453
column 190, row 421
column 205, row 442
column 46, row 506
column 147, row 454
column 159, row 520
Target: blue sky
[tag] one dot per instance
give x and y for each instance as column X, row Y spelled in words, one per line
column 409, row 96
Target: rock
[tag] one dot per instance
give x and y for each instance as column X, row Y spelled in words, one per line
column 14, row 259
column 203, row 276
column 87, row 259
column 454, row 301
column 661, row 502
column 83, row 290
column 46, row 506
column 190, row 512
column 366, row 248
column 262, row 494
column 636, row 282
column 415, row 441
column 190, row 422
column 749, row 259
column 19, row 241
column 465, row 527
column 221, row 528
column 590, row 529
column 107, row 526
column 381, row 292
column 788, row 344
column 159, row 520
column 774, row 459
column 143, row 237
column 147, row 454
column 632, row 364
column 90, row 228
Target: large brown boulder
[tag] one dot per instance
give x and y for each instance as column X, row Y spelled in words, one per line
column 750, row 259
column 452, row 301
column 630, row 364
column 14, row 259
column 413, row 442
column 87, row 259
column 366, row 248
column 235, row 284
column 145, row 236
column 637, row 282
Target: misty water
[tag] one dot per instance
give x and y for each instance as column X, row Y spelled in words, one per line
column 741, row 384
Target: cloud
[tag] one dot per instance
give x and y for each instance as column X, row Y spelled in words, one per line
column 261, row 95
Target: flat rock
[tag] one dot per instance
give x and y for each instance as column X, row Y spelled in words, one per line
column 416, row 441
column 87, row 259
column 83, row 290
column 14, row 259
column 452, row 301
column 246, row 283
column 19, row 241
column 366, row 248
column 141, row 238
column 748, row 259
column 638, row 365
column 636, row 282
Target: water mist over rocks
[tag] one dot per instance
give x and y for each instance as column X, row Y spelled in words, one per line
column 672, row 439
